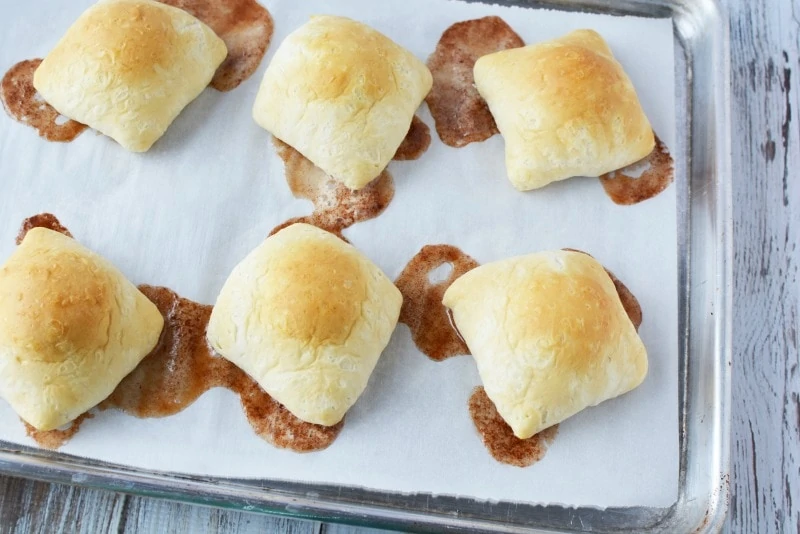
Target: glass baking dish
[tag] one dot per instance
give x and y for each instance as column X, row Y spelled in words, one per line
column 705, row 257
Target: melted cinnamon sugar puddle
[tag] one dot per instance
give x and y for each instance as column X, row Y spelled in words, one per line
column 53, row 439
column 245, row 26
column 182, row 367
column 498, row 437
column 24, row 104
column 429, row 320
column 337, row 207
column 461, row 114
column 657, row 172
column 42, row 220
column 416, row 142
column 436, row 336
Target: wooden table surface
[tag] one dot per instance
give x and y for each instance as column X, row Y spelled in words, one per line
column 765, row 445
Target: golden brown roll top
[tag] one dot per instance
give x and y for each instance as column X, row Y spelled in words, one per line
column 71, row 327
column 307, row 316
column 549, row 335
column 565, row 108
column 128, row 67
column 343, row 95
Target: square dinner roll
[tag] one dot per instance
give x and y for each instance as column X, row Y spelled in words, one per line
column 71, row 327
column 565, row 108
column 343, row 95
column 307, row 316
column 549, row 335
column 128, row 67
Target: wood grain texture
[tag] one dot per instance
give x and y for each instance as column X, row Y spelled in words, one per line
column 149, row 515
column 765, row 445
column 28, row 507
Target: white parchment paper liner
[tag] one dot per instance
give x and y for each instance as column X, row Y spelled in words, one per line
column 183, row 214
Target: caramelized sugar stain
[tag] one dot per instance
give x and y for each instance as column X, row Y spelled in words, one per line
column 244, row 25
column 275, row 424
column 416, row 142
column 498, row 437
column 24, row 104
column 182, row 367
column 460, row 113
column 53, row 439
column 658, row 173
column 431, row 328
column 179, row 369
column 42, row 220
column 335, row 206
column 629, row 300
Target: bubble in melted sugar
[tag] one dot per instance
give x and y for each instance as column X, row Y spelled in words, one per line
column 441, row 273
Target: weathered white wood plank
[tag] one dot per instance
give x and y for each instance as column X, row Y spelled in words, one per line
column 31, row 507
column 36, row 507
column 766, row 161
column 142, row 514
column 331, row 528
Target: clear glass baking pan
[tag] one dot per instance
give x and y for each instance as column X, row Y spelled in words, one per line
column 705, row 257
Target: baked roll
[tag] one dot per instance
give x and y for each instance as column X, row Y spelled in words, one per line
column 565, row 108
column 128, row 67
column 343, row 95
column 549, row 335
column 71, row 327
column 307, row 316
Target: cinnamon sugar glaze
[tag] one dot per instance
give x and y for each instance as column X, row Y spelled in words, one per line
column 25, row 105
column 416, row 142
column 337, row 207
column 181, row 368
column 498, row 437
column 42, row 220
column 656, row 172
column 461, row 114
column 245, row 26
column 53, row 439
column 429, row 320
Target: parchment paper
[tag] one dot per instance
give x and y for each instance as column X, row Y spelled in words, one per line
column 183, row 214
